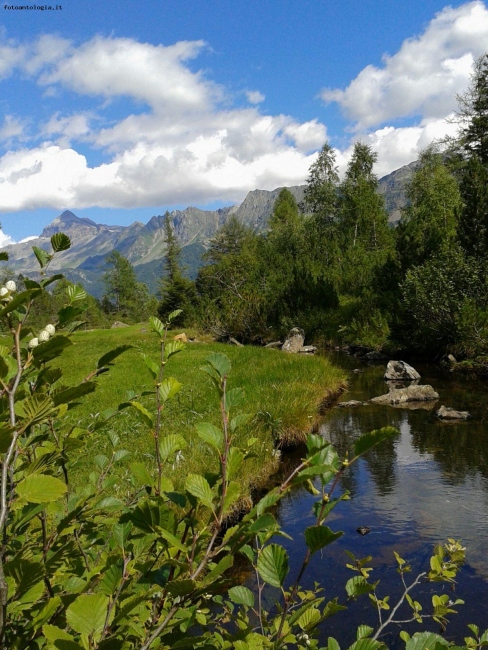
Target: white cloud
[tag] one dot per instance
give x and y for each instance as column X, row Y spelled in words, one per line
column 5, row 240
column 185, row 145
column 423, row 77
column 254, row 96
column 12, row 127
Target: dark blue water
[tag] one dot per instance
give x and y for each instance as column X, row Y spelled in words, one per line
column 414, row 492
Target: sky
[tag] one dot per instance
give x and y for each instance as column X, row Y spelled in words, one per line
column 119, row 110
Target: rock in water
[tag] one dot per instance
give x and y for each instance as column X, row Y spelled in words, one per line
column 448, row 413
column 294, row 341
column 351, row 402
column 400, row 370
column 421, row 393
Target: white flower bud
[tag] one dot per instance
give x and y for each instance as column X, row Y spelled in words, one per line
column 11, row 286
column 3, row 291
column 44, row 336
column 33, row 343
column 50, row 329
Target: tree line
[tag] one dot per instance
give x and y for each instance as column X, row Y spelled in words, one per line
column 334, row 265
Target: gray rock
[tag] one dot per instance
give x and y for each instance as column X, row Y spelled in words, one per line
column 119, row 323
column 400, row 370
column 274, row 344
column 374, row 355
column 421, row 393
column 351, row 402
column 308, row 349
column 358, row 371
column 294, row 341
column 448, row 413
column 400, row 383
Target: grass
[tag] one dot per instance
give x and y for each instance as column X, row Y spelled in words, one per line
column 284, row 391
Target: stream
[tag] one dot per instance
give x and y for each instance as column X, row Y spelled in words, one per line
column 413, row 492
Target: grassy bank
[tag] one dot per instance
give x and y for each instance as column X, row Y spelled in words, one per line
column 283, row 391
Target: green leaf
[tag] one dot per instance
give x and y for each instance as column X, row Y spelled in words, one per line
column 242, row 596
column 210, row 434
column 141, row 474
column 233, row 398
column 173, row 347
column 169, row 388
column 60, row 242
column 121, row 533
column 232, row 494
column 20, row 299
column 273, row 565
column 35, row 409
column 87, row 614
column 41, row 488
column 240, row 420
column 358, row 586
column 76, row 294
column 170, row 445
column 426, row 641
column 111, row 580
column 75, row 392
column 332, row 644
column 52, row 348
column 373, row 438
column 113, row 354
column 220, row 363
column 268, row 501
column 67, row 314
column 53, row 633
column 157, row 325
column 309, row 619
column 174, row 314
column 264, row 522
column 152, row 365
column 181, row 587
column 142, row 410
column 224, row 565
column 172, row 539
column 236, row 458
column 367, row 644
column 5, row 437
column 364, row 631
column 47, row 281
column 198, row 486
column 317, row 537
column 42, row 256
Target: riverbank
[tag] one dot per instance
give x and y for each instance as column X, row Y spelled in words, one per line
column 285, row 392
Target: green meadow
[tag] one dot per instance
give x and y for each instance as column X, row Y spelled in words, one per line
column 284, row 392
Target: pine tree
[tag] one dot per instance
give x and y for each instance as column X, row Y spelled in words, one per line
column 177, row 291
column 321, row 190
column 473, row 113
column 473, row 218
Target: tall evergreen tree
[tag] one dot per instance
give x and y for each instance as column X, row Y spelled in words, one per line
column 429, row 220
column 473, row 113
column 473, row 217
column 177, row 291
column 121, row 282
column 321, row 190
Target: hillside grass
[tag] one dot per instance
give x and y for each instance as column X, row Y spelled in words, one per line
column 283, row 391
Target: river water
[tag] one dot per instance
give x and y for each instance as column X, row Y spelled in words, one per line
column 413, row 492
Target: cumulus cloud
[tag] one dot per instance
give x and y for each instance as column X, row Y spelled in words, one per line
column 174, row 136
column 423, row 77
column 254, row 96
column 182, row 145
column 5, row 240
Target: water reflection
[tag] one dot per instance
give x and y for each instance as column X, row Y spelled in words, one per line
column 428, row 484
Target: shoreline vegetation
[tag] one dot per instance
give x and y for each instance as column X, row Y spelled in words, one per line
column 285, row 393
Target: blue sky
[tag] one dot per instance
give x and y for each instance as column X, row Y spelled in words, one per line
column 121, row 110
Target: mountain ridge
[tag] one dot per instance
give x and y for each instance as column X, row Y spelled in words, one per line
column 143, row 244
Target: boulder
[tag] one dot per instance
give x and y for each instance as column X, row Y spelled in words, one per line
column 308, row 349
column 181, row 337
column 294, row 341
column 374, row 355
column 400, row 370
column 351, row 402
column 119, row 323
column 448, row 413
column 274, row 344
column 420, row 393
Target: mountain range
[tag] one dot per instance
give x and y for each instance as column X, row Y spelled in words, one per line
column 143, row 244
